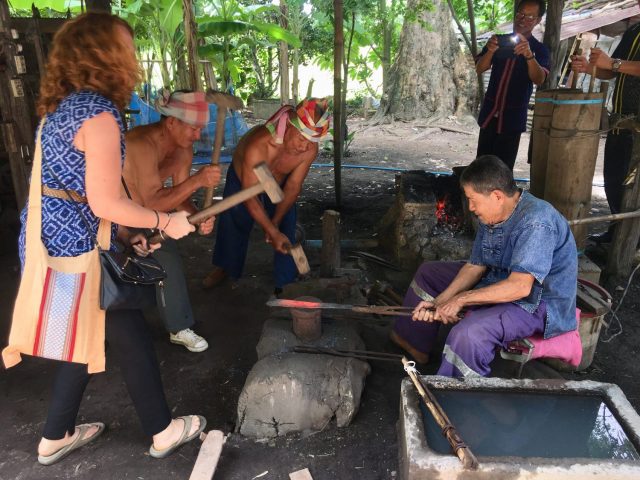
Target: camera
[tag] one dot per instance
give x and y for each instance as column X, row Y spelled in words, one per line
column 508, row 40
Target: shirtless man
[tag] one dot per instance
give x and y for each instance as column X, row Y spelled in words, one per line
column 288, row 144
column 155, row 153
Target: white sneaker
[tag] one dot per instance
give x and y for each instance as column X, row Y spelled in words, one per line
column 190, row 339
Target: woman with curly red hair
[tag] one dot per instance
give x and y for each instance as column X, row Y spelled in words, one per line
column 91, row 73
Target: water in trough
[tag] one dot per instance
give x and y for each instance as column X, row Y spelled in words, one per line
column 531, row 424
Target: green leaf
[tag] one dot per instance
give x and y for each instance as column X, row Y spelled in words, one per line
column 171, row 15
column 210, row 50
column 278, row 33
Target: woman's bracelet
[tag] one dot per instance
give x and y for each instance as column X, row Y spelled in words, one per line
column 168, row 221
column 157, row 220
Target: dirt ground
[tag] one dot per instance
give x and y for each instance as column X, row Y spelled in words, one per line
column 231, row 318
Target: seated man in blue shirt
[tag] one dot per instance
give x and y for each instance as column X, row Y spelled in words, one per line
column 521, row 278
column 514, row 70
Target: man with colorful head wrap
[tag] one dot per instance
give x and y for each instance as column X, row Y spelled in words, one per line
column 288, row 144
column 155, row 153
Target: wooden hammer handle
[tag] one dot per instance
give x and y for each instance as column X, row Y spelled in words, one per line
column 224, row 204
column 217, row 150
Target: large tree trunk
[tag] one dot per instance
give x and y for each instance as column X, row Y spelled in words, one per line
column 386, row 45
column 552, row 26
column 431, row 78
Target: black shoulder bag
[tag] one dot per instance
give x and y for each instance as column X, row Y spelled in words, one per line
column 127, row 281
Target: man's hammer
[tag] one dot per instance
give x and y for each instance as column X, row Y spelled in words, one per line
column 266, row 183
column 223, row 101
column 300, row 259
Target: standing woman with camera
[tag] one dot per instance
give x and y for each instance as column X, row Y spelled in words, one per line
column 517, row 61
column 91, row 72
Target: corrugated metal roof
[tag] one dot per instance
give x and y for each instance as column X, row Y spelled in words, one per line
column 585, row 15
column 593, row 15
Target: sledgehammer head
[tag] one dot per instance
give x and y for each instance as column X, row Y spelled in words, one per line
column 300, row 259
column 271, row 187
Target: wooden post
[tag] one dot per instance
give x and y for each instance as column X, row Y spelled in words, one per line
column 627, row 232
column 573, row 149
column 16, row 115
column 190, row 31
column 330, row 255
column 552, row 26
column 283, row 48
column 542, row 113
column 338, row 140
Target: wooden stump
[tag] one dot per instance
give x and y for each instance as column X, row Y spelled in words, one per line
column 573, row 149
column 330, row 256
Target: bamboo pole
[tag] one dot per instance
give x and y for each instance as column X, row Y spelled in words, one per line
column 605, row 218
column 462, row 451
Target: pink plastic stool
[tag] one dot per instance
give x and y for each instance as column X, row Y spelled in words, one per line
column 566, row 347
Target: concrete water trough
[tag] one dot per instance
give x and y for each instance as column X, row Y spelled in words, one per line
column 521, row 429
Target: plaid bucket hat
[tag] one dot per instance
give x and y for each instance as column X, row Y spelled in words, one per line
column 190, row 107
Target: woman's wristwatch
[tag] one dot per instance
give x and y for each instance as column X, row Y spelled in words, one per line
column 616, row 63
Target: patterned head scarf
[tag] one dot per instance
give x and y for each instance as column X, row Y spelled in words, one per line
column 312, row 130
column 190, row 107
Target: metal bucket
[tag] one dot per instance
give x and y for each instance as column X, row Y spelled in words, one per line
column 307, row 322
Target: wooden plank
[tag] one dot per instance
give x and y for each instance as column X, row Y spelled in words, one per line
column 301, row 475
column 208, row 456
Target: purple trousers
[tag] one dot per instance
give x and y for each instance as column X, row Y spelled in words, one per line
column 470, row 346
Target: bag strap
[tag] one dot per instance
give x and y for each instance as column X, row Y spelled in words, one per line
column 33, row 229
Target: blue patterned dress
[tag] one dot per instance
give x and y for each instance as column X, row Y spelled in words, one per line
column 64, row 233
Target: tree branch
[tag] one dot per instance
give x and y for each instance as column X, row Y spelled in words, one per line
column 460, row 27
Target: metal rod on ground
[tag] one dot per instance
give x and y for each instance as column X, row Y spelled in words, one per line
column 359, row 354
column 605, row 218
column 462, row 451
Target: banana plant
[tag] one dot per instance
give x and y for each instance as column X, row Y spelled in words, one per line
column 158, row 27
column 228, row 25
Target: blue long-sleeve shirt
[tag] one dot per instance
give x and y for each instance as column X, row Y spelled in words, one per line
column 537, row 240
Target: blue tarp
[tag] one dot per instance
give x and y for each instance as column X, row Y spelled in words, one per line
column 234, row 128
